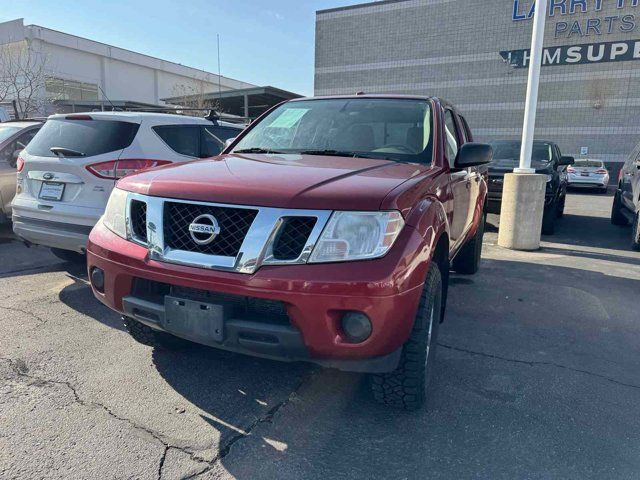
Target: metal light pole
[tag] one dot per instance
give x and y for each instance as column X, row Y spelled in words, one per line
column 531, row 103
column 523, row 193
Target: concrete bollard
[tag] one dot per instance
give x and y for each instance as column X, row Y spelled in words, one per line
column 522, row 210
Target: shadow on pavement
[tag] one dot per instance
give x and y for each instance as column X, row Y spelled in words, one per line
column 234, row 390
column 537, row 377
column 80, row 298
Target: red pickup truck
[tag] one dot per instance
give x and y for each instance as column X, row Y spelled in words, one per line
column 324, row 233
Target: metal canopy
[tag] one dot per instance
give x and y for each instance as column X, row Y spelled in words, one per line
column 245, row 102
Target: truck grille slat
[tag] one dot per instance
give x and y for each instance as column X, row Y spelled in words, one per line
column 234, row 225
column 139, row 220
column 292, row 237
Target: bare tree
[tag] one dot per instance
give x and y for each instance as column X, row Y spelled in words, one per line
column 23, row 77
column 195, row 95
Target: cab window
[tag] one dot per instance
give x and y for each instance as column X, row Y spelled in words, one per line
column 451, row 133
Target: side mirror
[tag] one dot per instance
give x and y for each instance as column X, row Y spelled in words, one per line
column 565, row 161
column 228, row 142
column 473, row 154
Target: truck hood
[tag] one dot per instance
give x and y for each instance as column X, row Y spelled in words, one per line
column 285, row 181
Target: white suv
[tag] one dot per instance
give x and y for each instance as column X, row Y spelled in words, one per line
column 66, row 173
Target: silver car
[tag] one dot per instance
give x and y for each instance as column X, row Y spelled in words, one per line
column 588, row 173
column 14, row 137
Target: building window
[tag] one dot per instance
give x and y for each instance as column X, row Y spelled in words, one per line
column 60, row 89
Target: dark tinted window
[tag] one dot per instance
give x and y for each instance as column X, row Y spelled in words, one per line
column 224, row 133
column 90, row 137
column 506, row 154
column 211, row 144
column 182, row 139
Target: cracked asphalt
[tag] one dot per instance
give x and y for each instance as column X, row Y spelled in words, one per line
column 538, row 376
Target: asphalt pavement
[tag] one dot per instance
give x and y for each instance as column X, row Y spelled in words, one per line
column 538, row 376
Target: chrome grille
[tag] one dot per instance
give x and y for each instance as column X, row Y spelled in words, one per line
column 234, row 225
column 139, row 220
column 292, row 237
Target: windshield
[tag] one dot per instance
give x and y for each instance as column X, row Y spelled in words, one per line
column 6, row 132
column 391, row 129
column 506, row 154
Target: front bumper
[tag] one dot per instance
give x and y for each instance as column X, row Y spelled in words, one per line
column 387, row 290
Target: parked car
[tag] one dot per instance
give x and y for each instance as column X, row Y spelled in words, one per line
column 67, row 172
column 14, row 137
column 626, row 202
column 325, row 233
column 546, row 160
column 588, row 173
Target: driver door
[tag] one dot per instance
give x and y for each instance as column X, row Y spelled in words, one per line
column 460, row 181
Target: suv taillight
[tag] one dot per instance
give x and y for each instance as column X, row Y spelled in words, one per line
column 19, row 164
column 571, row 169
column 124, row 167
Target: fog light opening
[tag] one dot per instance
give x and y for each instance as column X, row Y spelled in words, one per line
column 356, row 326
column 97, row 279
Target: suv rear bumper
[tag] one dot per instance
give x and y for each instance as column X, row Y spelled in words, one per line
column 316, row 297
column 66, row 236
column 52, row 228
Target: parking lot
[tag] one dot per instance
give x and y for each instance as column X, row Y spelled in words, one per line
column 537, row 377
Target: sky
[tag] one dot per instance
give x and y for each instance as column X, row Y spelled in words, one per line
column 261, row 42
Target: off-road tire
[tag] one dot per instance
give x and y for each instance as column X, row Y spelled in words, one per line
column 467, row 261
column 549, row 218
column 617, row 217
column 69, row 256
column 406, row 387
column 635, row 236
column 148, row 336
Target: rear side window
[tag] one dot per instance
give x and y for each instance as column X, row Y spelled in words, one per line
column 89, row 137
column 193, row 140
column 224, row 133
column 182, row 139
column 211, row 145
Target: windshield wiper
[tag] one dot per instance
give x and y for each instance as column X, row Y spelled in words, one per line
column 256, row 150
column 331, row 153
column 66, row 152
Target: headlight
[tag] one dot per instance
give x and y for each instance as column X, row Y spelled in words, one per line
column 357, row 236
column 115, row 213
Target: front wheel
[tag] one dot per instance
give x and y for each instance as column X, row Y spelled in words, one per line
column 635, row 242
column 549, row 219
column 407, row 386
column 561, row 205
column 617, row 217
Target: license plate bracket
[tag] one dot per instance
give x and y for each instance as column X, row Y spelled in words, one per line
column 51, row 191
column 198, row 320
